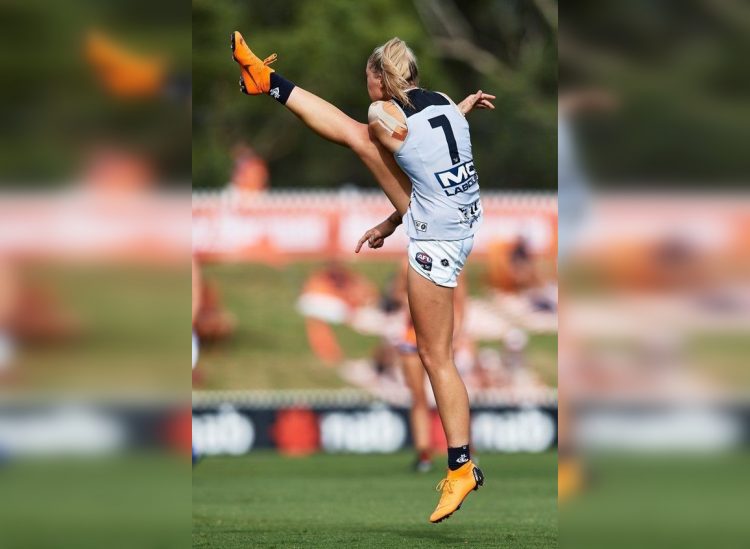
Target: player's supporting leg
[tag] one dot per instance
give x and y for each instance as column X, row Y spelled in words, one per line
column 419, row 414
column 431, row 309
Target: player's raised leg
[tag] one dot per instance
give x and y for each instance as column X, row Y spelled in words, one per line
column 323, row 118
column 431, row 309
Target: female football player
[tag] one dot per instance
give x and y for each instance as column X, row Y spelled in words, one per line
column 417, row 145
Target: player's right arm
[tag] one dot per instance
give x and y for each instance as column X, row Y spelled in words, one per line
column 376, row 236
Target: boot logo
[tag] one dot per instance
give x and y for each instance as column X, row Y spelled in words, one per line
column 462, row 458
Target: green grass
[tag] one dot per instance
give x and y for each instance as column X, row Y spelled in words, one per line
column 119, row 502
column 263, row 500
column 269, row 349
column 662, row 501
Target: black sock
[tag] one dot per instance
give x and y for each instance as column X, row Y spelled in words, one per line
column 280, row 88
column 458, row 456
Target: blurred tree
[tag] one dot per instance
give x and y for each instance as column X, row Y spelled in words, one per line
column 53, row 107
column 680, row 70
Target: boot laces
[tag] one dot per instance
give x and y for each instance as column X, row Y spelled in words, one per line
column 270, row 59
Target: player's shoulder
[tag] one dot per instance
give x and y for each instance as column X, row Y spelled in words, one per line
column 379, row 108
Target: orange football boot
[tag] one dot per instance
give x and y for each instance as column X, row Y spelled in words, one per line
column 455, row 487
column 256, row 74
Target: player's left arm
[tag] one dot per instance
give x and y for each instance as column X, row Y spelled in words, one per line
column 478, row 100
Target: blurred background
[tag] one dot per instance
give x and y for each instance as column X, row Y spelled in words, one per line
column 297, row 339
column 94, row 251
column 653, row 170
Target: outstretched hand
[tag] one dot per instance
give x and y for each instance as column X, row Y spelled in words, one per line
column 479, row 100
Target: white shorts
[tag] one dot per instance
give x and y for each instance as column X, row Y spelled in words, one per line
column 440, row 261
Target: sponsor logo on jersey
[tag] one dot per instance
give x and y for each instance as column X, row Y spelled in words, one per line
column 458, row 179
column 444, row 262
column 421, row 226
column 424, row 260
column 471, row 213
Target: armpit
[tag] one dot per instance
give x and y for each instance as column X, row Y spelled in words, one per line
column 388, row 116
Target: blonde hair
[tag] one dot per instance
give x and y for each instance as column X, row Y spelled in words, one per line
column 396, row 65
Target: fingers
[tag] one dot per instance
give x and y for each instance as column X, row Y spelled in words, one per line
column 362, row 240
column 478, row 100
column 484, row 100
column 373, row 239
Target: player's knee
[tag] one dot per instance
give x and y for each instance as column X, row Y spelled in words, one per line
column 433, row 359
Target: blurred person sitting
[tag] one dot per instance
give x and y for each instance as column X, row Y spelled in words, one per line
column 8, row 296
column 38, row 316
column 212, row 322
column 196, row 306
column 522, row 293
column 511, row 266
column 330, row 296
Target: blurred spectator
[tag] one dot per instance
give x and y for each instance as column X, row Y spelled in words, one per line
column 250, row 173
column 330, row 296
column 212, row 322
column 196, row 306
column 114, row 169
column 8, row 296
column 511, row 266
column 34, row 313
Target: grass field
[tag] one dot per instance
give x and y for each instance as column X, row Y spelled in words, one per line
column 269, row 349
column 344, row 501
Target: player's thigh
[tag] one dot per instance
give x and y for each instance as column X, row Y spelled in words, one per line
column 431, row 309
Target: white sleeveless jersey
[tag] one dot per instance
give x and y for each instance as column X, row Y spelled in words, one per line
column 436, row 156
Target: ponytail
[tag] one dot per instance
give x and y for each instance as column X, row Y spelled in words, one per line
column 397, row 66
